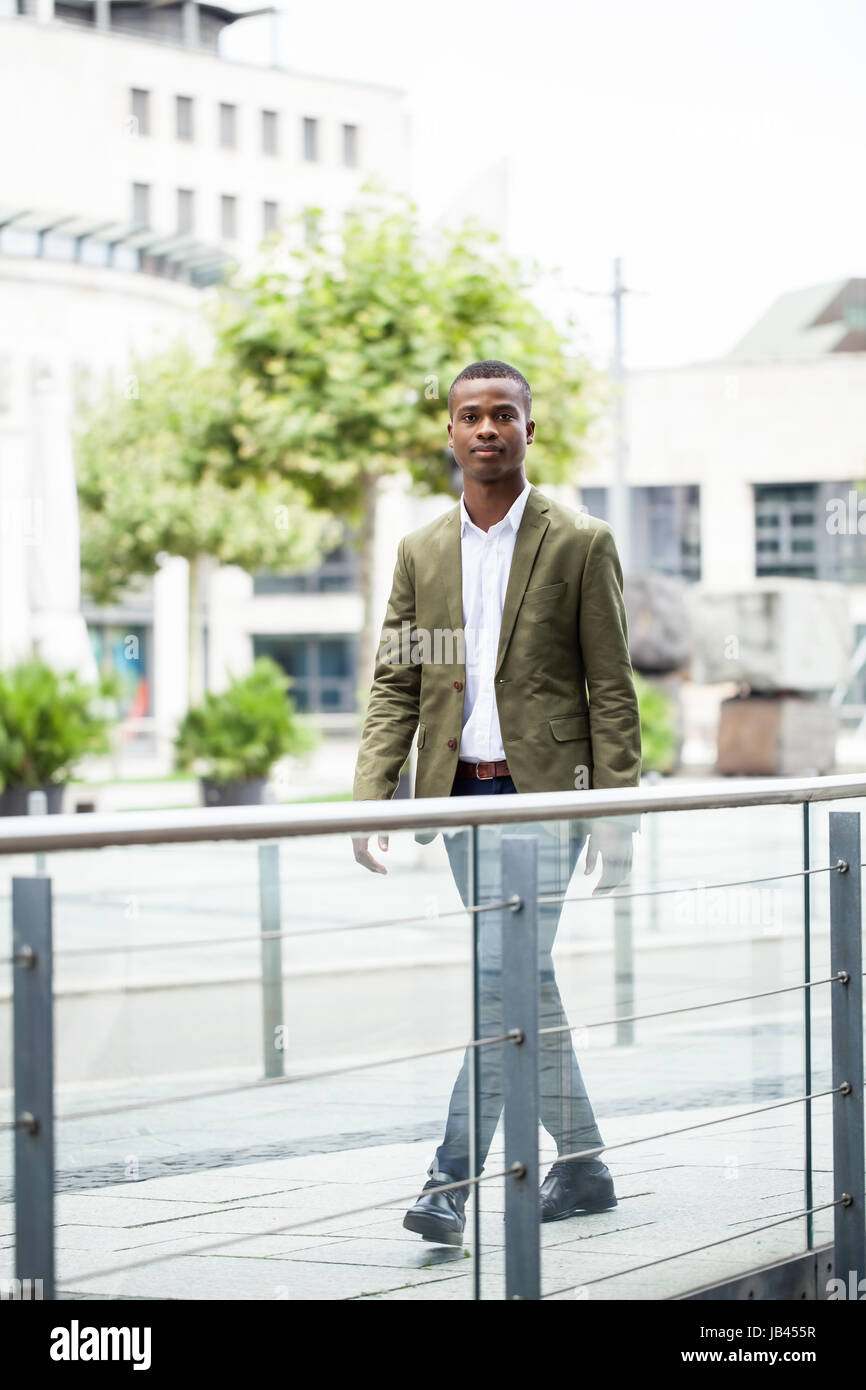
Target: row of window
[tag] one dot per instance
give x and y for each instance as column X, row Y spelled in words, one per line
column 185, row 212
column 802, row 530
column 228, row 127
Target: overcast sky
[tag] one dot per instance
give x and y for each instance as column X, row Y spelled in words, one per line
column 716, row 145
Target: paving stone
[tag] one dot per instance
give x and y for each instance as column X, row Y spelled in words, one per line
column 100, row 1209
column 384, row 1251
column 230, row 1277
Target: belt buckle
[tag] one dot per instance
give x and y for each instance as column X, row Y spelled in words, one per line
column 484, row 777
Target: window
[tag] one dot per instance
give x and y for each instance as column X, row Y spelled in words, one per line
column 228, row 216
column 270, row 218
column 322, row 669
column 125, row 653
column 94, row 252
column 57, row 247
column 810, row 531
column 141, row 204
column 311, row 138
column 270, row 132
column 665, row 527
column 785, row 523
column 350, row 146
column 228, row 126
column 139, row 110
column 183, row 118
column 337, row 574
column 185, row 209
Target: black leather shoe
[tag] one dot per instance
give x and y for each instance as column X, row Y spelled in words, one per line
column 571, row 1189
column 438, row 1216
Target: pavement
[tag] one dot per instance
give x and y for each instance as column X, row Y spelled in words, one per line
column 323, row 1226
column 296, row 1190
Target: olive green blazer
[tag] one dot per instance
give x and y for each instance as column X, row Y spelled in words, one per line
column 564, row 688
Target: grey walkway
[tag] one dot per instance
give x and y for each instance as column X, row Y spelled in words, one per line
column 674, row 1194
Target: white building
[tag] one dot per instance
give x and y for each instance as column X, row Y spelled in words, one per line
column 143, row 163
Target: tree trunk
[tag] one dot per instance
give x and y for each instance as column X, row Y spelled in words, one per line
column 195, row 635
column 367, row 577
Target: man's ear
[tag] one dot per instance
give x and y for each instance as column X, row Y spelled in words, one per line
column 530, row 431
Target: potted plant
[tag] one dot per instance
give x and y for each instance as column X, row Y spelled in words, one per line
column 234, row 737
column 49, row 720
column 658, row 728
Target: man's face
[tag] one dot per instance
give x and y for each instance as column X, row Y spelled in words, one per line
column 489, row 431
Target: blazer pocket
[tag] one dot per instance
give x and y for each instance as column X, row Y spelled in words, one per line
column 569, row 726
column 546, row 591
column 422, row 734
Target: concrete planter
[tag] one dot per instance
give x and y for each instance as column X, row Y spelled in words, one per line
column 246, row 793
column 776, row 736
column 13, row 800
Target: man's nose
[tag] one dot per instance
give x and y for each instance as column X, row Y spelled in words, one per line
column 487, row 430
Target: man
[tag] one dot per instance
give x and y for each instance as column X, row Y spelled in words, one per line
column 541, row 698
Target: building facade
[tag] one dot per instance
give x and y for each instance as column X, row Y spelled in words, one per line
column 144, row 164
column 754, row 465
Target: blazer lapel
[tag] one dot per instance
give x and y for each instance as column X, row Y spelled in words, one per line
column 529, row 536
column 451, row 567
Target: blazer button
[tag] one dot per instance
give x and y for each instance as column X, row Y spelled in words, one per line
column 452, row 743
column 458, row 685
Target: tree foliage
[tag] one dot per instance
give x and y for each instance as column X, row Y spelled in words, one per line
column 352, row 342
column 173, row 470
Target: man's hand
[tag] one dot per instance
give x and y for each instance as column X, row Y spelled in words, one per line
column 614, row 843
column 363, row 855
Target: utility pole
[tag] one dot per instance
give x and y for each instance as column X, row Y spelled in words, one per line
column 275, row 31
column 620, row 511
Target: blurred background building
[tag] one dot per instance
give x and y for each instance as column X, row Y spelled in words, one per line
column 751, row 468
column 144, row 164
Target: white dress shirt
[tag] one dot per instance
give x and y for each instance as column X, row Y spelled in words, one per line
column 486, row 559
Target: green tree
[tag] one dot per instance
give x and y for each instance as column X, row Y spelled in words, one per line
column 172, row 469
column 348, row 347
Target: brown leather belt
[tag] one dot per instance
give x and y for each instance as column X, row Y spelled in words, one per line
column 485, row 772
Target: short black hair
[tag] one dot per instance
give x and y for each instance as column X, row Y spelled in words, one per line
column 487, row 371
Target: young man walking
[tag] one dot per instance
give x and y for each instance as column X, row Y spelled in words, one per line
column 544, row 701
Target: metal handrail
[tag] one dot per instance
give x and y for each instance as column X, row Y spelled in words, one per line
column 29, row 834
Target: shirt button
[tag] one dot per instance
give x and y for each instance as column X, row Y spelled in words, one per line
column 452, row 743
column 458, row 685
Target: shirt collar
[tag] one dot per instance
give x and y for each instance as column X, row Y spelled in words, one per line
column 513, row 516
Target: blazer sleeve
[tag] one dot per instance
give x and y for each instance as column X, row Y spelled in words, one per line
column 614, row 716
column 392, row 711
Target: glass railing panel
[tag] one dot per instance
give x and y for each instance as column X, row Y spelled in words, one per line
column 821, row 861
column 221, row 1138
column 713, row 912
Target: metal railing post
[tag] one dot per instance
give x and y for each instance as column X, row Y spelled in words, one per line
column 623, row 971
column 846, row 955
column 33, row 1066
column 270, row 920
column 473, row 864
column 520, row 1065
